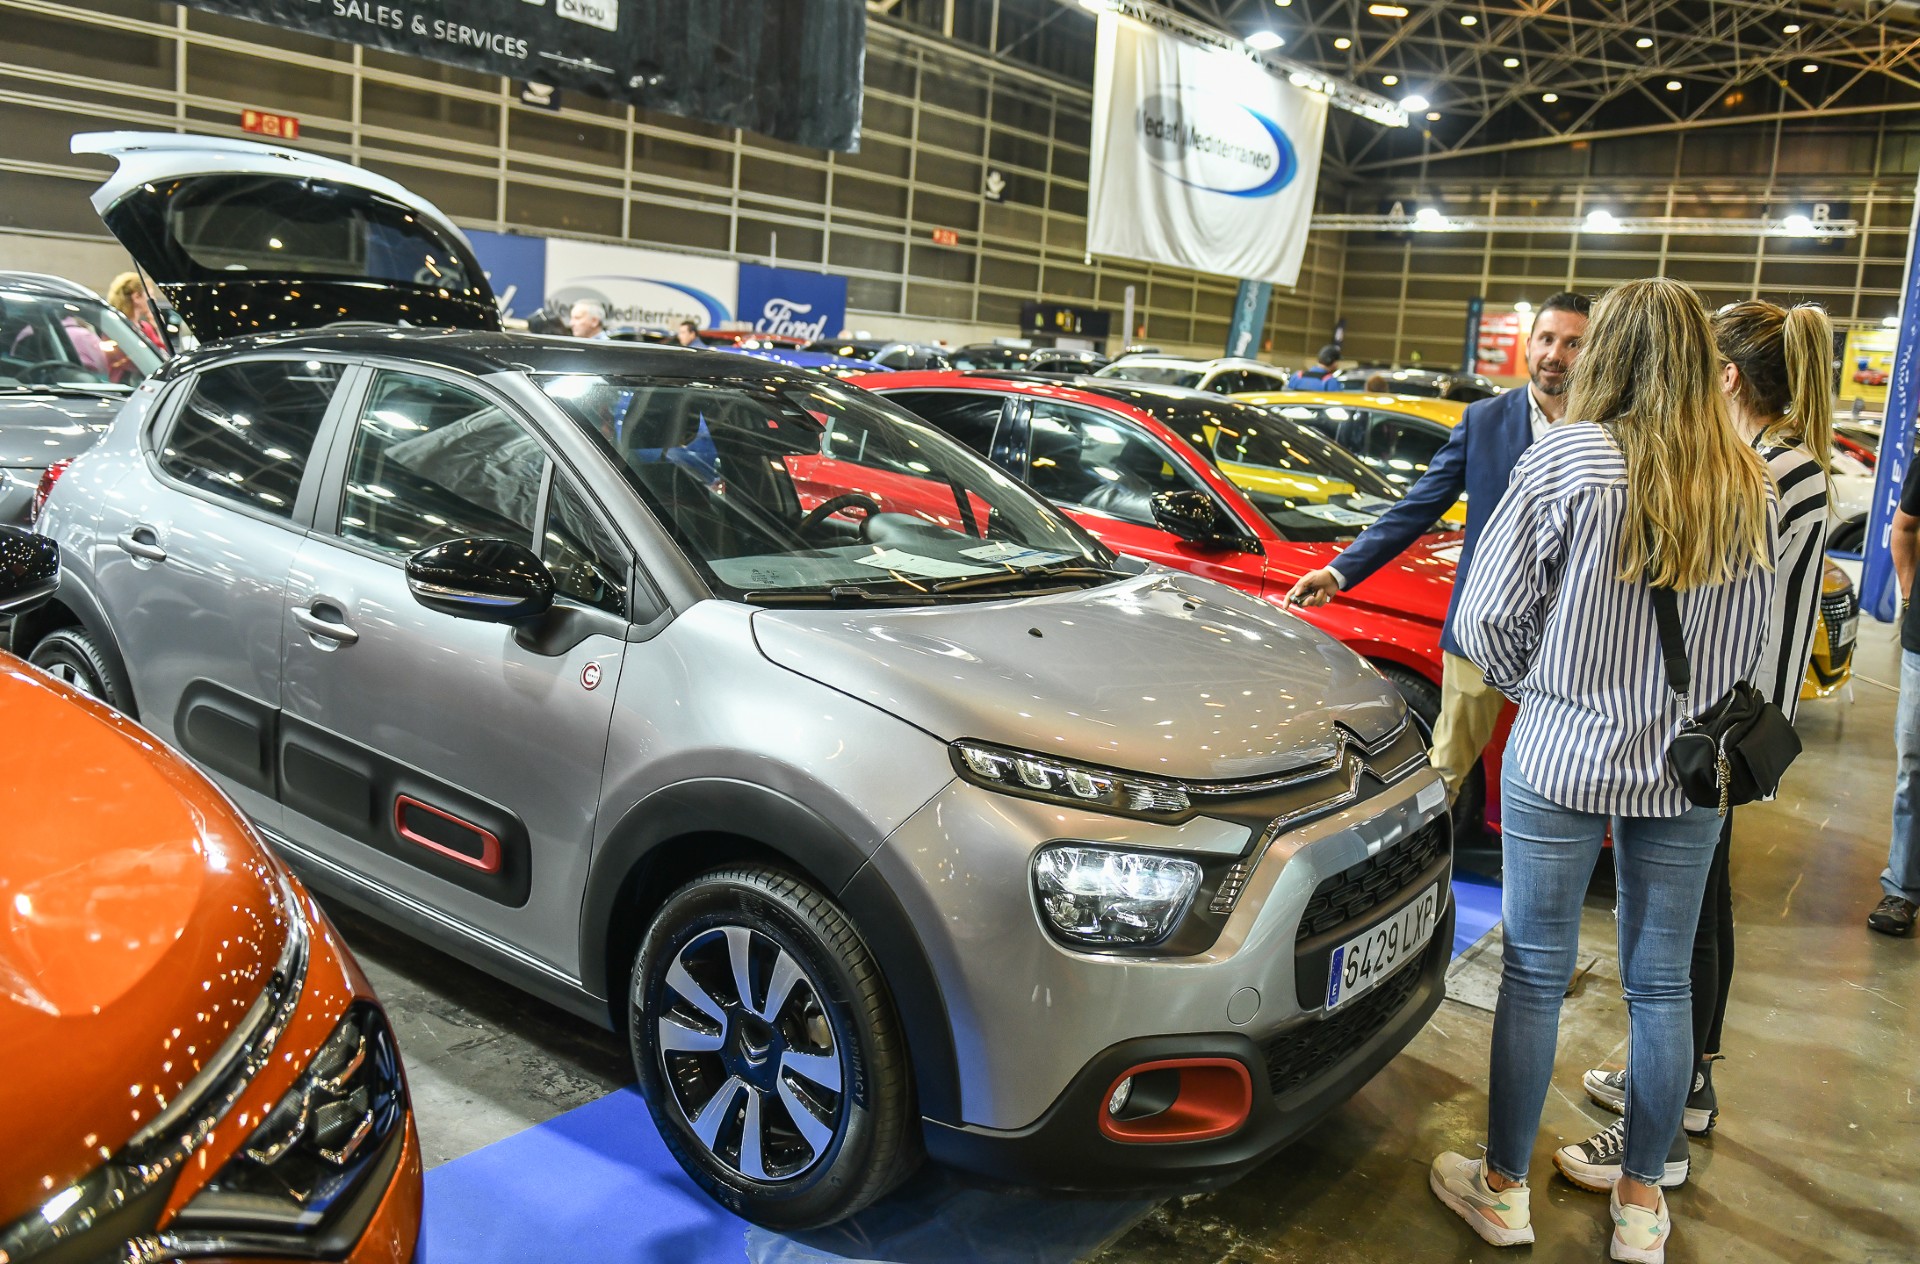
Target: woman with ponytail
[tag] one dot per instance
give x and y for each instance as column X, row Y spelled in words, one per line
column 1646, row 485
column 1777, row 377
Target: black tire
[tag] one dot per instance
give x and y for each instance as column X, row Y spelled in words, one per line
column 70, row 655
column 1849, row 536
column 858, row 1138
column 1423, row 699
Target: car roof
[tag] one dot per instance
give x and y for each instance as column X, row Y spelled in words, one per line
column 1218, row 362
column 480, row 352
column 53, row 286
column 1445, row 411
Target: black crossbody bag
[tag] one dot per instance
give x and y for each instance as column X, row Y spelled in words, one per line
column 1737, row 750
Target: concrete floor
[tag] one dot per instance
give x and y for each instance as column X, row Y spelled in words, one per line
column 1815, row 1158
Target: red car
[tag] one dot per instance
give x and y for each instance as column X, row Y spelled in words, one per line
column 1140, row 466
column 748, row 338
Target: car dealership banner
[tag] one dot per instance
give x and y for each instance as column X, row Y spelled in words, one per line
column 1202, row 158
column 791, row 70
column 798, row 304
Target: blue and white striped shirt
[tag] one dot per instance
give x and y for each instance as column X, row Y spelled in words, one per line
column 1544, row 616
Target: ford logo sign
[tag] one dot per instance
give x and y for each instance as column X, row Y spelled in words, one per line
column 1216, row 144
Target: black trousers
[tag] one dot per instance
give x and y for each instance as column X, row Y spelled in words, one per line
column 1713, row 950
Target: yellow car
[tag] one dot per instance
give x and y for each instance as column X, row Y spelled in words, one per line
column 1833, row 635
column 1397, row 435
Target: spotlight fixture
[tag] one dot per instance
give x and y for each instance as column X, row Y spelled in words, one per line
column 1791, row 28
column 1467, row 19
column 1283, row 3
column 1510, row 62
column 1889, row 322
column 1797, row 226
column 1550, row 97
column 1673, row 85
column 1387, row 10
column 1343, row 43
column 1601, row 221
column 1415, row 103
column 1808, row 69
column 1389, row 80
column 1523, row 307
column 1643, row 42
column 1264, row 40
column 1429, row 220
column 1433, row 116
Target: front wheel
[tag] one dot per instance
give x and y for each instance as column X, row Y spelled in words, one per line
column 769, row 1051
column 70, row 656
column 1423, row 700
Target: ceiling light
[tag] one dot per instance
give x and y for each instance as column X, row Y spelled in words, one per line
column 1283, row 3
column 1808, row 69
column 1343, row 42
column 1602, row 222
column 1414, row 104
column 1511, row 62
column 1389, row 80
column 1791, row 28
column 1387, row 10
column 1643, row 42
column 1433, row 116
column 1523, row 307
column 1429, row 219
column 1797, row 226
column 1550, row 97
column 1264, row 40
column 1889, row 322
column 1467, row 19
column 1098, row 6
column 1673, row 85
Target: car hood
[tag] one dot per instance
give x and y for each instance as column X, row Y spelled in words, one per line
column 139, row 921
column 37, row 429
column 1418, row 584
column 1163, row 673
column 246, row 238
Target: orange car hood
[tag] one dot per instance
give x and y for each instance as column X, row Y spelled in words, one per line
column 138, row 922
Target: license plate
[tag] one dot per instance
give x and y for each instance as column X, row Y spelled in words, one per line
column 1366, row 959
column 1849, row 629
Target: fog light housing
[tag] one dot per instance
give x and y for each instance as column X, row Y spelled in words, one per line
column 1106, row 897
column 1117, row 1100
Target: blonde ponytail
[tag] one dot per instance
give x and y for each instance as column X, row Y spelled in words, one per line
column 1807, row 338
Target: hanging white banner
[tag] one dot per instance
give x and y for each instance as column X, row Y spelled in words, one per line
column 1201, row 157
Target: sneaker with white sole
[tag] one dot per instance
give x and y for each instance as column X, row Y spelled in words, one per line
column 1609, row 1089
column 1639, row 1235
column 1501, row 1218
column 1594, row 1164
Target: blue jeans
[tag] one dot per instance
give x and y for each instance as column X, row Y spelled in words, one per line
column 1661, row 863
column 1902, row 875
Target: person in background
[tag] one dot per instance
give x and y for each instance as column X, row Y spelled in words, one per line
column 1776, row 375
column 1379, row 384
column 687, row 334
column 129, row 297
column 1900, row 881
column 1320, row 376
column 1648, row 486
column 587, row 319
column 1478, row 459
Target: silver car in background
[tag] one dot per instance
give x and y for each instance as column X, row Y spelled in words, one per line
column 883, row 809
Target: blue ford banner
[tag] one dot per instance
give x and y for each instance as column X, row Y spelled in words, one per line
column 516, row 268
column 1879, row 589
column 806, row 305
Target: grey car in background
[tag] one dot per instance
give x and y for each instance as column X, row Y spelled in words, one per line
column 883, row 809
column 67, row 363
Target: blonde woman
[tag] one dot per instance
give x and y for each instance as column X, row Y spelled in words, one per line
column 1777, row 377
column 1647, row 485
column 129, row 297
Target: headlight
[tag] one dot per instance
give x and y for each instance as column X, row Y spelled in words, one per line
column 1106, row 897
column 1057, row 781
column 312, row 1150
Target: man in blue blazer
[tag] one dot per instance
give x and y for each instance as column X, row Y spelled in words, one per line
column 1478, row 460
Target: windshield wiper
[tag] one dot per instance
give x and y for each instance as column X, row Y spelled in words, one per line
column 839, row 594
column 1026, row 577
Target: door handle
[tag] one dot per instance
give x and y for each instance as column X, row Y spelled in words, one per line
column 143, row 543
column 325, row 621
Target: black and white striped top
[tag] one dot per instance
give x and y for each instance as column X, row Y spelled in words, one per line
column 1799, row 553
column 1543, row 615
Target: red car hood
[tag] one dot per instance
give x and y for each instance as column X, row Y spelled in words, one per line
column 1416, row 585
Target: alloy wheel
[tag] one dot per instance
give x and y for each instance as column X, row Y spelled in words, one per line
column 750, row 1055
column 72, row 674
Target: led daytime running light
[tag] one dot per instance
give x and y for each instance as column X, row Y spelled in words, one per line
column 1058, row 781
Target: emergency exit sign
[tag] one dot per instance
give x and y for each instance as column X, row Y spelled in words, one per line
column 945, row 237
column 278, row 126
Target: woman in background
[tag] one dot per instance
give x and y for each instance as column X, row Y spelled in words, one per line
column 129, row 297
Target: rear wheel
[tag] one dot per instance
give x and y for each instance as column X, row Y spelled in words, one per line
column 70, row 655
column 1423, row 700
column 769, row 1051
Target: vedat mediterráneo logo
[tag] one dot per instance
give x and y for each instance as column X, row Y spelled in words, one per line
column 782, row 316
column 1216, row 144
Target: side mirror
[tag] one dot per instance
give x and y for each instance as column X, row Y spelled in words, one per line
column 494, row 581
column 1195, row 518
column 29, row 570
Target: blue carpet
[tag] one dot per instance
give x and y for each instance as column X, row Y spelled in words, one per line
column 596, row 1184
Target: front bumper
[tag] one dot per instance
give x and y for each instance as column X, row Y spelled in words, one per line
column 1299, row 1074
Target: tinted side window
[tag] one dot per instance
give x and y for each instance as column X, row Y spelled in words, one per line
column 1402, row 447
column 971, row 417
column 432, row 461
column 247, row 430
column 588, row 562
column 1080, row 457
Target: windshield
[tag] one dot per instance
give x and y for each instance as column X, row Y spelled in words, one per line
column 48, row 340
column 1309, row 488
column 786, row 486
column 1157, row 374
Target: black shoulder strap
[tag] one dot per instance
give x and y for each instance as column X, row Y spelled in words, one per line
column 1673, row 646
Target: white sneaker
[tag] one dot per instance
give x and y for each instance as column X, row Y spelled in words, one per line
column 1501, row 1218
column 1640, row 1236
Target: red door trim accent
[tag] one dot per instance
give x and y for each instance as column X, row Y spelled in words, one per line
column 488, row 861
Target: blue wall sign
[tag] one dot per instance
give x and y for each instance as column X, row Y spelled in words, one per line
column 800, row 304
column 516, row 268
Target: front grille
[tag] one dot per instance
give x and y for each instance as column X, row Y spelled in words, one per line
column 1374, row 881
column 1836, row 609
column 1317, row 1048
